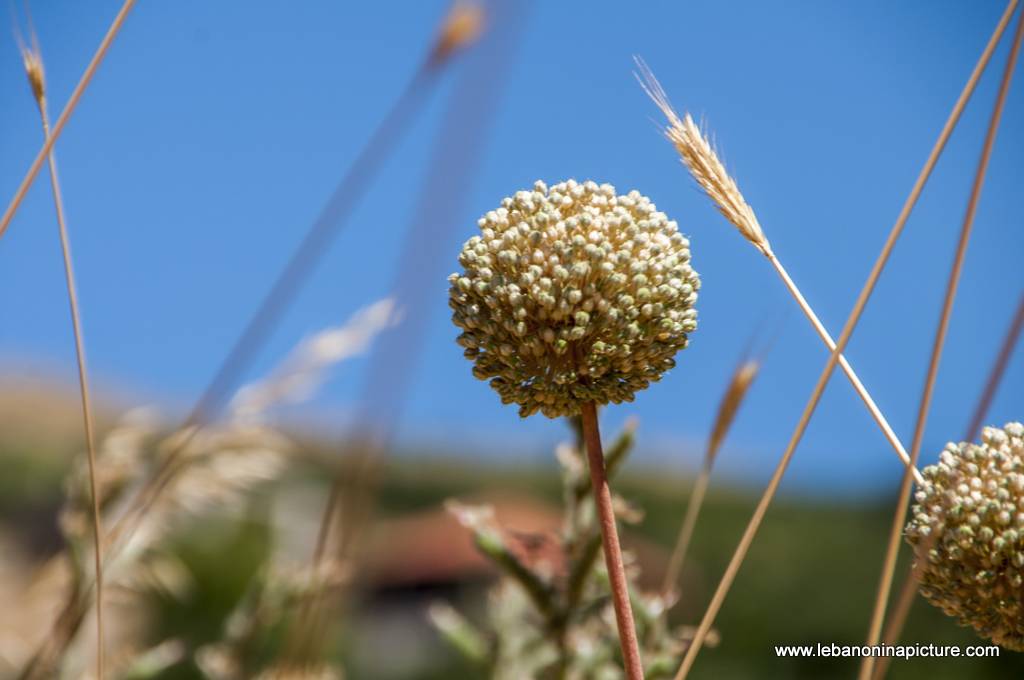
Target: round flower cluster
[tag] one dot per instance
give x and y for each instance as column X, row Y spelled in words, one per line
column 969, row 517
column 573, row 294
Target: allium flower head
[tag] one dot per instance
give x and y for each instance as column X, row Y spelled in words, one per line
column 573, row 294
column 969, row 516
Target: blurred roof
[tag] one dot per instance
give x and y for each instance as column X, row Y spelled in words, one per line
column 432, row 547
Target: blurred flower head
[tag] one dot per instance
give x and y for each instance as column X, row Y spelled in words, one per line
column 573, row 294
column 969, row 517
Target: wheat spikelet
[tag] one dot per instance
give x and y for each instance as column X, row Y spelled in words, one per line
column 33, row 63
column 710, row 174
column 461, row 28
column 742, row 379
column 699, row 157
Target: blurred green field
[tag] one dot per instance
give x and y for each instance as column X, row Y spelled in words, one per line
column 810, row 576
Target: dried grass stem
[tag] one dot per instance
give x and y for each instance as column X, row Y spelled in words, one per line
column 899, row 515
column 851, row 323
column 35, row 71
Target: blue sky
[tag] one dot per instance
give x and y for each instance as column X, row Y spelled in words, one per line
column 215, row 131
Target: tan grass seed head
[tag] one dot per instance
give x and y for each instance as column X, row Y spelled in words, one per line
column 699, row 157
column 36, row 75
column 461, row 28
column 742, row 379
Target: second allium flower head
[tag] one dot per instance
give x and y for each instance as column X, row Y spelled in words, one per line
column 967, row 530
column 573, row 294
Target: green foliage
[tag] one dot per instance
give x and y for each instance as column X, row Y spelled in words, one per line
column 810, row 576
column 552, row 618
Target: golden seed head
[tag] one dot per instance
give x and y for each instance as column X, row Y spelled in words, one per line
column 741, row 381
column 699, row 157
column 34, row 70
column 462, row 26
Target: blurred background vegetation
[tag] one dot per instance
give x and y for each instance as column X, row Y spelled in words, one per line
column 226, row 574
column 805, row 581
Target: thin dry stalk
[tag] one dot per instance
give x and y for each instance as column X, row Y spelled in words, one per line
column 997, row 372
column 610, row 540
column 224, row 463
column 65, row 115
column 36, row 73
column 470, row 110
column 894, row 626
column 317, row 239
column 699, row 157
column 315, row 243
column 899, row 515
column 461, row 27
column 858, row 386
column 848, row 328
column 742, row 379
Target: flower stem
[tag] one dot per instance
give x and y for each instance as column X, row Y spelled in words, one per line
column 610, row 540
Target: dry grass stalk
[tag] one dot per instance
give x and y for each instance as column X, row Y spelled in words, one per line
column 742, row 379
column 216, row 466
column 699, row 157
column 905, row 599
column 293, row 380
column 33, row 62
column 303, row 261
column 352, row 491
column 899, row 515
column 996, row 373
column 58, row 127
column 876, row 271
column 456, row 33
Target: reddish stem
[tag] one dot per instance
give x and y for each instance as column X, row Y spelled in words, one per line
column 610, row 539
